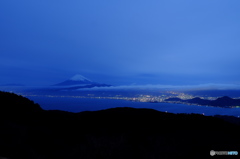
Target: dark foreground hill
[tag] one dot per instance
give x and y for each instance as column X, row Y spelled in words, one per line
column 27, row 131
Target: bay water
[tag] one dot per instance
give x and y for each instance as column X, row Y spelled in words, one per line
column 92, row 104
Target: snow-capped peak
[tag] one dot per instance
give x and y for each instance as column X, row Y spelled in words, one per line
column 78, row 77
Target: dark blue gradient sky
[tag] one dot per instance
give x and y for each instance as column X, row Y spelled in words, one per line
column 120, row 42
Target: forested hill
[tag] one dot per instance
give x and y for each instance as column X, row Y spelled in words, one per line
column 27, row 131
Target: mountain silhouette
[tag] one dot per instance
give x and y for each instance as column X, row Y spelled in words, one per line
column 224, row 101
column 29, row 132
column 11, row 103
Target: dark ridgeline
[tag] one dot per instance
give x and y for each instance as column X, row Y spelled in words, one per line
column 219, row 102
column 29, row 132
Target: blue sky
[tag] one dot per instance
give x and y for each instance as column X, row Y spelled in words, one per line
column 120, row 42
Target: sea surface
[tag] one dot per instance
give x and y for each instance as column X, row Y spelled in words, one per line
column 91, row 104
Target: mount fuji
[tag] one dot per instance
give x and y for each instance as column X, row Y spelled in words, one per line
column 75, row 80
column 78, row 82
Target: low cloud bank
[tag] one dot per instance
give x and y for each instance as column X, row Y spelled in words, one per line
column 208, row 86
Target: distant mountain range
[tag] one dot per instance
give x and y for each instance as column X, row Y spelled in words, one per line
column 221, row 102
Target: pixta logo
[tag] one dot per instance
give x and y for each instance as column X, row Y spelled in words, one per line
column 212, row 152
